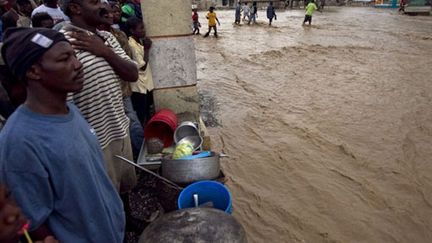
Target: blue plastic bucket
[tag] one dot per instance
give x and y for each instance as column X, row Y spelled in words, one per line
column 208, row 191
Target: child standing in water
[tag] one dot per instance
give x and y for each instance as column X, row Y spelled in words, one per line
column 212, row 18
column 246, row 12
column 271, row 13
column 196, row 23
column 237, row 13
column 254, row 13
column 310, row 9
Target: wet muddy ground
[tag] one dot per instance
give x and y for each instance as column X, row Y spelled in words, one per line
column 328, row 128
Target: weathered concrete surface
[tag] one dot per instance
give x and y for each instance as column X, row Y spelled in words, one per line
column 172, row 56
column 167, row 17
column 179, row 100
column 173, row 62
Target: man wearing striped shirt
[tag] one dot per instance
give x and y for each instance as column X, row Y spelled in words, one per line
column 105, row 64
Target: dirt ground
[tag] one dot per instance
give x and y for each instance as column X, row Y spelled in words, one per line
column 328, row 128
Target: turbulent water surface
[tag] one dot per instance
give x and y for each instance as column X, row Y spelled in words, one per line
column 328, row 128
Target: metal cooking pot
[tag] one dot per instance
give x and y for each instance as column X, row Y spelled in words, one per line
column 196, row 141
column 186, row 129
column 187, row 171
column 195, row 225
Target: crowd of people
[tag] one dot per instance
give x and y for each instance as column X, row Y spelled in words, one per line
column 76, row 90
column 250, row 15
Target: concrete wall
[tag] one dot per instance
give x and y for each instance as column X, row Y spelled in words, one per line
column 172, row 56
column 173, row 62
column 166, row 18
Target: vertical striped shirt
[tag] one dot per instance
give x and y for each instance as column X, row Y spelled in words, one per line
column 100, row 101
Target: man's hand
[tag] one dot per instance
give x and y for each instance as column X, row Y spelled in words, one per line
column 147, row 43
column 125, row 69
column 11, row 218
column 90, row 43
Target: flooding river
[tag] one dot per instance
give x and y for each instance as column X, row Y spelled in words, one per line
column 328, row 128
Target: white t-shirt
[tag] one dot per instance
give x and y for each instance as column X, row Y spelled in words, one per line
column 55, row 13
column 246, row 9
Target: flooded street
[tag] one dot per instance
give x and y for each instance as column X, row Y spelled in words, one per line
column 328, row 128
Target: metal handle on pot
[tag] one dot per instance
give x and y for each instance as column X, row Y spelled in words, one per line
column 150, row 172
column 222, row 155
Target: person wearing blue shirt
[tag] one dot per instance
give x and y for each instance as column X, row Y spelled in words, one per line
column 50, row 157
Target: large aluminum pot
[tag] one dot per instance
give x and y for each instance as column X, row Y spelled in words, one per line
column 195, row 225
column 188, row 171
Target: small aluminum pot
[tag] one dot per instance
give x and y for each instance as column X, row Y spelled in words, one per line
column 188, row 171
column 186, row 129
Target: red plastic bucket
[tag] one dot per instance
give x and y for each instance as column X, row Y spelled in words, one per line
column 162, row 125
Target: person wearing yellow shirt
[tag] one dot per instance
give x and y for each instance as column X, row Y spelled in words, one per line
column 212, row 19
column 140, row 44
column 310, row 9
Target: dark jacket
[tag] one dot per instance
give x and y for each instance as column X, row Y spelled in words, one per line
column 270, row 12
column 254, row 9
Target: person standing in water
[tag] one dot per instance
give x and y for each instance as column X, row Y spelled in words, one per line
column 246, row 12
column 271, row 13
column 195, row 22
column 212, row 19
column 402, row 6
column 238, row 13
column 310, row 9
column 254, row 13
column 322, row 4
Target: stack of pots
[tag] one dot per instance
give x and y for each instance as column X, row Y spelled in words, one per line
column 186, row 171
column 188, row 131
column 163, row 125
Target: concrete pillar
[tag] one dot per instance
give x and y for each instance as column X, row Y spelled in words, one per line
column 172, row 56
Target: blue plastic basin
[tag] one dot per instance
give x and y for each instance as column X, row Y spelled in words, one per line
column 208, row 191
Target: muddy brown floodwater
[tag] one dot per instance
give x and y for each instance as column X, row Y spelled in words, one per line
column 328, row 128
